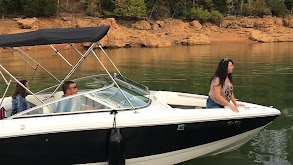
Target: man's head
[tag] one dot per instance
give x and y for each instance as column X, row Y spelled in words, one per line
column 69, row 88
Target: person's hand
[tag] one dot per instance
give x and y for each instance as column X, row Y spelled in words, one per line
column 233, row 108
column 240, row 105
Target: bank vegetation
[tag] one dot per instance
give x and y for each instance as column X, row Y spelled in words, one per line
column 201, row 10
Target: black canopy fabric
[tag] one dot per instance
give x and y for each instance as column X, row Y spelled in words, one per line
column 54, row 36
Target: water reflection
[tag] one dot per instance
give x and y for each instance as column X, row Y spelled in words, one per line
column 262, row 75
column 230, row 158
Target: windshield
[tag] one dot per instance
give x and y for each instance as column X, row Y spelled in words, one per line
column 95, row 93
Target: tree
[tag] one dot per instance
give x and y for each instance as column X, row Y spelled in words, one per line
column 128, row 9
column 160, row 9
column 9, row 6
column 220, row 5
column 203, row 15
column 278, row 7
column 289, row 5
column 93, row 7
column 260, row 7
column 40, row 7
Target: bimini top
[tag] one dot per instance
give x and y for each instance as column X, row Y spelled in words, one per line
column 54, row 36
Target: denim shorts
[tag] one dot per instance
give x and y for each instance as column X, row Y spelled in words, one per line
column 212, row 104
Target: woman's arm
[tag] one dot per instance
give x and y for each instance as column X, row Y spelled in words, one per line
column 234, row 101
column 223, row 100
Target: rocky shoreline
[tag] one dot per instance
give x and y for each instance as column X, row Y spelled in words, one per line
column 164, row 33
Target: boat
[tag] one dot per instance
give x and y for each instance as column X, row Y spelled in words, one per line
column 127, row 123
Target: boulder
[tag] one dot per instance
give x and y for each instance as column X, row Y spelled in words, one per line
column 84, row 23
column 151, row 40
column 247, row 23
column 290, row 23
column 27, row 23
column 110, row 21
column 231, row 24
column 142, row 25
column 196, row 39
column 278, row 21
column 115, row 39
column 196, row 25
column 158, row 24
column 259, row 36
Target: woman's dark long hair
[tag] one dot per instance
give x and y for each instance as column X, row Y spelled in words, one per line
column 222, row 72
column 20, row 90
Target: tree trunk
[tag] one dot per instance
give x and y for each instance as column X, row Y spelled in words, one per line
column 66, row 6
column 241, row 7
column 58, row 3
column 153, row 10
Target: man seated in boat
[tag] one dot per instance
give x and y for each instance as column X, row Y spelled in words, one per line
column 72, row 104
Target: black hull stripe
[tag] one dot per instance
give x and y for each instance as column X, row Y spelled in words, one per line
column 90, row 146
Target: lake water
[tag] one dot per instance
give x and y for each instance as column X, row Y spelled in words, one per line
column 263, row 75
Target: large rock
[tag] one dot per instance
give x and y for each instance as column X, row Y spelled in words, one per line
column 28, row 23
column 196, row 25
column 290, row 23
column 142, row 25
column 246, row 22
column 259, row 36
column 120, row 36
column 85, row 23
column 112, row 22
column 196, row 39
column 151, row 40
column 182, row 33
column 158, row 24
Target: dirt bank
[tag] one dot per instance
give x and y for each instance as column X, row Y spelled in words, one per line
column 165, row 33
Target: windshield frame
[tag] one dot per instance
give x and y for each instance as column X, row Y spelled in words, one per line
column 82, row 93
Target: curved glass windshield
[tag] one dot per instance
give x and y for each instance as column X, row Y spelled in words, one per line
column 108, row 97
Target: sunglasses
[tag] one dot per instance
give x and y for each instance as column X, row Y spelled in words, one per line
column 226, row 59
column 73, row 87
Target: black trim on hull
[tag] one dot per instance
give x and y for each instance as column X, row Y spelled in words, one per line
column 90, row 146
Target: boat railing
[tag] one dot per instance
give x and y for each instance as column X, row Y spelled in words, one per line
column 16, row 49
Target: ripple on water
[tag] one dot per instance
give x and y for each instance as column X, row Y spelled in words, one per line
column 287, row 112
column 270, row 148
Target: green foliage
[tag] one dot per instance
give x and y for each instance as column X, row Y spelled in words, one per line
column 216, row 16
column 203, row 10
column 202, row 15
column 92, row 7
column 128, row 8
column 9, row 6
column 199, row 14
column 278, row 7
column 289, row 4
column 40, row 7
column 160, row 9
column 220, row 5
column 260, row 7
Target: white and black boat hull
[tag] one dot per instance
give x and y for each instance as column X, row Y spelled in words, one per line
column 167, row 144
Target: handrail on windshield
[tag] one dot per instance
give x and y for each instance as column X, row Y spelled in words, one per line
column 113, row 80
column 75, row 67
column 83, row 57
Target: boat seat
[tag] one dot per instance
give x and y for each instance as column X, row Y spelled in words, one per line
column 51, row 108
column 173, row 98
